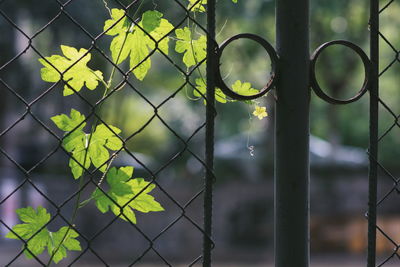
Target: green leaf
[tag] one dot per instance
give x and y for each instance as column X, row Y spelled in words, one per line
column 76, row 140
column 65, row 123
column 38, row 239
column 74, row 70
column 119, row 51
column 143, row 201
column 33, row 220
column 132, row 41
column 120, row 198
column 79, row 158
column 238, row 87
column 31, row 229
column 103, row 139
column 117, row 179
column 198, row 5
column 76, row 143
column 159, row 34
column 194, row 50
column 141, row 43
column 115, row 203
column 85, row 149
column 151, row 20
column 244, row 88
column 95, row 148
column 62, row 240
column 140, row 62
column 117, row 24
column 202, row 88
column 114, row 197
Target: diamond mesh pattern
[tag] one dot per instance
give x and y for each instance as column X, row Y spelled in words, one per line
column 388, row 127
column 26, row 110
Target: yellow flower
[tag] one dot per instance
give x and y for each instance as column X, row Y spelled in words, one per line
column 260, row 112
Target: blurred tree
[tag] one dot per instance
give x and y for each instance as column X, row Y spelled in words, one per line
column 340, row 74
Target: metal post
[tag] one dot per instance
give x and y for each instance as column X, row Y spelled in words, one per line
column 210, row 116
column 292, row 135
column 373, row 131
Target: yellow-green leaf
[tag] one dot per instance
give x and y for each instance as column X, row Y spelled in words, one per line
column 244, row 88
column 124, row 195
column 138, row 41
column 66, row 123
column 202, row 90
column 34, row 233
column 194, row 50
column 117, row 24
column 87, row 149
column 197, row 5
column 62, row 240
column 71, row 68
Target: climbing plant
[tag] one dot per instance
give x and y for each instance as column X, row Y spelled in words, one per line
column 134, row 39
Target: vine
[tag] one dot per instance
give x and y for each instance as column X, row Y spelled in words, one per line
column 99, row 146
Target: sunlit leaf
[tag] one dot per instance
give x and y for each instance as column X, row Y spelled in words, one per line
column 124, row 195
column 244, row 88
column 194, row 50
column 62, row 241
column 66, row 123
column 202, row 88
column 72, row 68
column 135, row 43
column 34, row 232
column 87, row 149
column 198, row 5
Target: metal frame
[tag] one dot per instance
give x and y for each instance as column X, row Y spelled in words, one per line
column 292, row 135
column 293, row 73
column 367, row 68
column 210, row 115
column 274, row 67
column 373, row 130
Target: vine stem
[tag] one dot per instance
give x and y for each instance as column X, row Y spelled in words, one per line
column 106, row 7
column 84, row 203
column 75, row 211
column 114, row 68
column 107, row 86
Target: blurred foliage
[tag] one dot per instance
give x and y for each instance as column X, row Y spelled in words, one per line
column 339, row 71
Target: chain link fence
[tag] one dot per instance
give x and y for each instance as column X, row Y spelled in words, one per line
column 95, row 175
column 39, row 146
column 386, row 126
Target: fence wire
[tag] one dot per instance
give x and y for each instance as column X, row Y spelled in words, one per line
column 381, row 129
column 57, row 11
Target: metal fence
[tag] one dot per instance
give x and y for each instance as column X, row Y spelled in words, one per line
column 291, row 62
column 378, row 107
column 92, row 177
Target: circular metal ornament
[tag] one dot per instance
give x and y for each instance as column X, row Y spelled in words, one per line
column 274, row 62
column 367, row 67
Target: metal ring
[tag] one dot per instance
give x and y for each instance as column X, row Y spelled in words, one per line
column 274, row 61
column 367, row 67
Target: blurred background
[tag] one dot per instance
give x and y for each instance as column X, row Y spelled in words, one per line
column 244, row 145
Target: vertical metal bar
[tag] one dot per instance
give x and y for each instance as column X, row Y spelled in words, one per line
column 373, row 130
column 292, row 135
column 210, row 115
